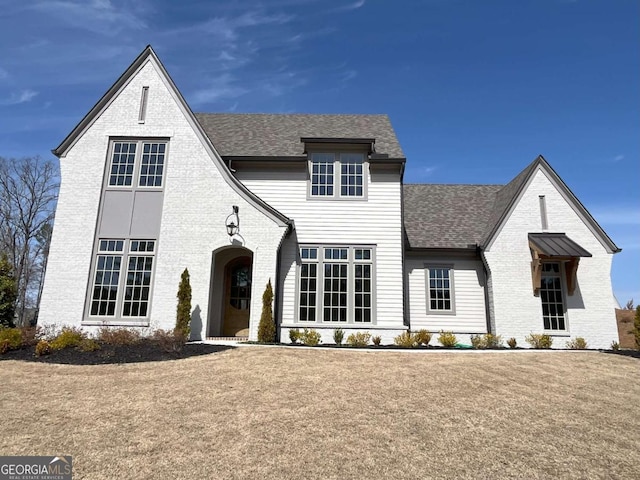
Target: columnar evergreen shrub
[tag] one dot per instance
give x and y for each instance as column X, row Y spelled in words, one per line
column 267, row 327
column 183, row 315
column 8, row 293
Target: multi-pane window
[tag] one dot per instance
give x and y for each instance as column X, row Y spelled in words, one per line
column 122, row 164
column 553, row 315
column 114, row 293
column 139, row 269
column 336, row 284
column 351, row 176
column 139, row 163
column 322, row 174
column 337, row 175
column 440, row 289
column 152, row 165
column 308, row 284
column 107, row 278
column 362, row 287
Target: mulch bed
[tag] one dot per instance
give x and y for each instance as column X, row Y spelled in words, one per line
column 110, row 354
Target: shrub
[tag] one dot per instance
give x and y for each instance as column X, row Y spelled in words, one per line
column 67, row 338
column 294, row 335
column 423, row 337
column 169, row 341
column 615, row 346
column 183, row 311
column 512, row 342
column 31, row 336
column 118, row 336
column 359, row 339
column 377, row 340
column 266, row 327
column 539, row 340
column 488, row 340
column 89, row 345
column 447, row 339
column 310, row 337
column 10, row 339
column 406, row 340
column 43, row 348
column 8, row 293
column 578, row 343
column 338, row 336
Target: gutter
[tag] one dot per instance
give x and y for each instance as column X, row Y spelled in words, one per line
column 278, row 294
column 486, row 271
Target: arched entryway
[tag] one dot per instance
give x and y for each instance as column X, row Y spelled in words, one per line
column 230, row 292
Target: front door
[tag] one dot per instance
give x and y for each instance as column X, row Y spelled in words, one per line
column 237, row 298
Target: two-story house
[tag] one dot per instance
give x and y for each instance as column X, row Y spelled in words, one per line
column 315, row 204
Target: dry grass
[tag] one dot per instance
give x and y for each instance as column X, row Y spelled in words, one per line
column 293, row 413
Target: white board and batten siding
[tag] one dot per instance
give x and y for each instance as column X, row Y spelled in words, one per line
column 589, row 311
column 374, row 221
column 469, row 316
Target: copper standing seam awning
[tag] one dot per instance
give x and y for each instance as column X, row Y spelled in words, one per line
column 558, row 247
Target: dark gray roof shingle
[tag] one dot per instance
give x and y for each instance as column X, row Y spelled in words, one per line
column 447, row 216
column 278, row 135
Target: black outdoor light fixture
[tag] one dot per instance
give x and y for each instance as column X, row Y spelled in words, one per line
column 233, row 222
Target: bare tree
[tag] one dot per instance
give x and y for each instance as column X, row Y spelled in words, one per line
column 28, row 194
column 629, row 305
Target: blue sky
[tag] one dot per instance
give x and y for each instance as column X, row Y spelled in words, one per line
column 475, row 90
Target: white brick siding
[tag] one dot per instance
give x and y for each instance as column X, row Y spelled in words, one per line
column 590, row 310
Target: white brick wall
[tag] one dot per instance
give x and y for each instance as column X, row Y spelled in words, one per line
column 197, row 201
column 590, row 310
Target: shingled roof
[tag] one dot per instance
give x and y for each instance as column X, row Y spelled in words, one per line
column 447, row 216
column 278, row 135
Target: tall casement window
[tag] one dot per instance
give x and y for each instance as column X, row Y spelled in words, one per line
column 122, row 279
column 337, row 175
column 336, row 284
column 440, row 293
column 140, row 163
column 551, row 296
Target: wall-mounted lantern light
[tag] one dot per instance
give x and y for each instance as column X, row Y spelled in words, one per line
column 233, row 222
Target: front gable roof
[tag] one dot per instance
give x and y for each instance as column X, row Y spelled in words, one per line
column 508, row 196
column 148, row 55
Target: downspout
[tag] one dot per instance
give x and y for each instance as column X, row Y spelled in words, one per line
column 487, row 271
column 278, row 294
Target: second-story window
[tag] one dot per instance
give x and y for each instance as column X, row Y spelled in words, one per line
column 139, row 163
column 337, row 175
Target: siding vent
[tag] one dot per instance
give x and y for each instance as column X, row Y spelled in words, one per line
column 143, row 105
column 543, row 213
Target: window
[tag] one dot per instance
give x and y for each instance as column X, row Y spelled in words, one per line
column 440, row 289
column 553, row 315
column 336, row 284
column 139, row 163
column 240, row 295
column 116, row 296
column 337, row 175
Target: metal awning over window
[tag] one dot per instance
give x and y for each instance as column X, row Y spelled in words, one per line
column 556, row 247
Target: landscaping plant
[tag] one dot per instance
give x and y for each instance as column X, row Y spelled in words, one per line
column 578, row 343
column 537, row 340
column 294, row 335
column 359, row 339
column 377, row 340
column 310, row 337
column 406, row 340
column 267, row 327
column 183, row 314
column 423, row 337
column 338, row 336
column 447, row 339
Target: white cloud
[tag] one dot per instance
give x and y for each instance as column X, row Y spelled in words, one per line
column 23, row 96
column 350, row 6
column 3, row 73
column 222, row 87
column 617, row 158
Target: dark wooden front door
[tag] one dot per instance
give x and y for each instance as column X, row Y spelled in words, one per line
column 237, row 298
